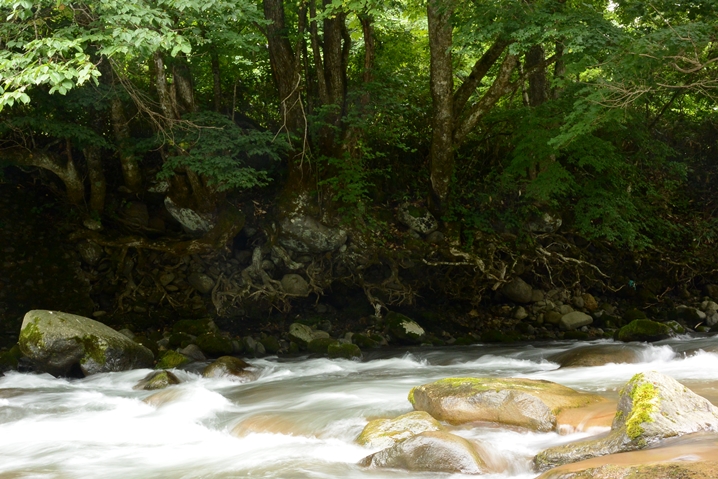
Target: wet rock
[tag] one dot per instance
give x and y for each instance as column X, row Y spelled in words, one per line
column 434, row 451
column 417, row 219
column 364, row 341
column 253, row 347
column 214, row 345
column 157, row 380
column 295, row 285
column 520, row 313
column 304, row 234
column 229, row 367
column 383, row 433
column 404, row 328
column 201, row 282
column 344, row 351
column 172, row 359
column 518, row 291
column 90, row 253
column 574, row 320
column 532, row 404
column 61, row 343
column 644, row 330
column 596, row 355
column 691, row 457
column 552, row 317
column 651, row 407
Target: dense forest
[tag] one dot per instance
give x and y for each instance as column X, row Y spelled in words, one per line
column 247, row 159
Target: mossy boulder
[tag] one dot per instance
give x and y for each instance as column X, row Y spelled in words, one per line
column 180, row 340
column 214, row 345
column 157, row 380
column 528, row 403
column 404, row 329
column 195, row 327
column 644, row 330
column 172, row 359
column 433, row 451
column 344, row 351
column 596, row 355
column 65, row 344
column 651, row 407
column 229, row 367
column 271, row 344
column 9, row 359
column 302, row 334
column 364, row 341
column 383, row 433
column 320, row 345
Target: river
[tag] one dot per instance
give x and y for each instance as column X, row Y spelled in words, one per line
column 298, row 420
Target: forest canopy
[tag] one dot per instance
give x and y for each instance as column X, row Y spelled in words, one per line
column 489, row 113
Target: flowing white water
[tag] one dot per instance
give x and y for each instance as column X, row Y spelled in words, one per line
column 298, row 420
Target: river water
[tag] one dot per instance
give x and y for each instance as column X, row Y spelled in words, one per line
column 299, row 419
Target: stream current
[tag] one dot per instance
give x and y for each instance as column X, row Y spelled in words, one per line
column 299, row 419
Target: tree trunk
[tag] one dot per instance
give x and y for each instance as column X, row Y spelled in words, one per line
column 367, row 26
column 183, row 86
column 96, row 174
column 167, row 103
column 442, row 148
column 120, row 126
column 216, row 82
column 284, row 70
column 559, row 70
column 538, row 84
column 66, row 171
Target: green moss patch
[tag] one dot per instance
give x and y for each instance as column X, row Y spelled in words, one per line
column 645, row 401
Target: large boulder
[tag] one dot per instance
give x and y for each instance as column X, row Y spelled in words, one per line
column 304, row 234
column 596, row 355
column 651, row 407
column 518, row 291
column 434, row 451
column 694, row 457
column 383, row 433
column 528, row 403
column 64, row 344
column 644, row 330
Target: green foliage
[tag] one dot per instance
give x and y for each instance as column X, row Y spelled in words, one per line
column 211, row 145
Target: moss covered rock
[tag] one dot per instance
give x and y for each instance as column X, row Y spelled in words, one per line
column 9, row 359
column 172, row 359
column 528, row 403
column 364, row 341
column 651, row 407
column 157, row 380
column 271, row 344
column 229, row 367
column 404, row 328
column 383, row 433
column 320, row 345
column 434, row 451
column 344, row 351
column 64, row 344
column 644, row 330
column 214, row 345
column 195, row 327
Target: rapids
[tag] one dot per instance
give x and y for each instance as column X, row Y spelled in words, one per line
column 298, row 420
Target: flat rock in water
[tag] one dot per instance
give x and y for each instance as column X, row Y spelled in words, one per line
column 596, row 355
column 692, row 457
column 383, row 433
column 651, row 407
column 528, row 403
column 574, row 320
column 434, row 451
column 60, row 343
